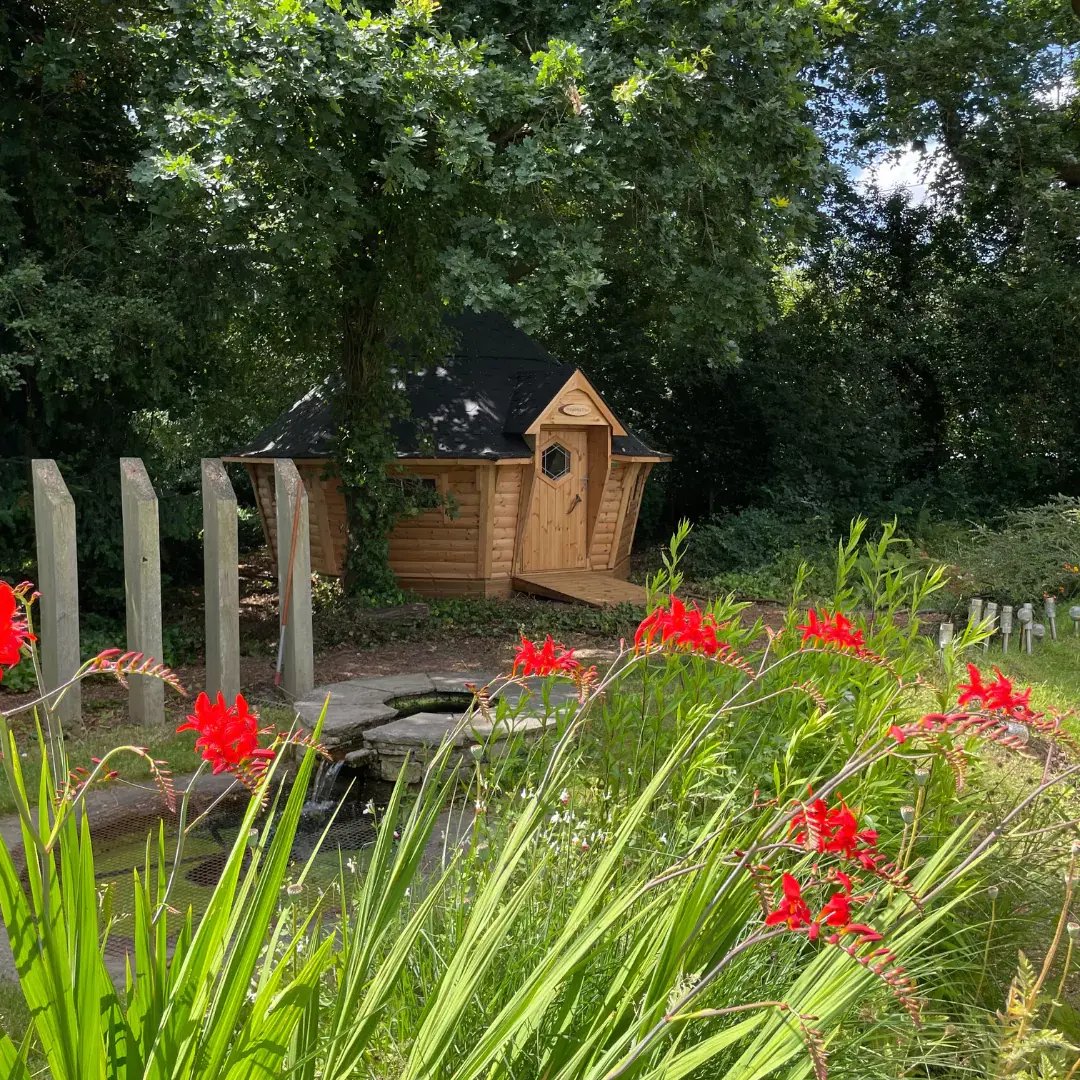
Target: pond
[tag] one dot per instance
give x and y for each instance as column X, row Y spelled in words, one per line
column 120, row 845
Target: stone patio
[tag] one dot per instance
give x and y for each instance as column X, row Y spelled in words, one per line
column 363, row 727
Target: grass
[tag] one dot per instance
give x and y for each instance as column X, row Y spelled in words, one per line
column 164, row 743
column 1052, row 670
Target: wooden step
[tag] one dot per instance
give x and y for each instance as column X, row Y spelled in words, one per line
column 597, row 588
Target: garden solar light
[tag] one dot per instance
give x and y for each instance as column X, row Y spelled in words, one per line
column 975, row 611
column 990, row 614
column 1006, row 625
column 944, row 635
column 1050, row 607
column 1025, row 616
column 1074, row 614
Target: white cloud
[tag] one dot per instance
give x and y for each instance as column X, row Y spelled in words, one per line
column 908, row 170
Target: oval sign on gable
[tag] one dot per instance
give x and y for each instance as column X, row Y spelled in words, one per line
column 575, row 409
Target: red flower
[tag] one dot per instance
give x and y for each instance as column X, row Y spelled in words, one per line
column 793, row 911
column 14, row 632
column 834, row 831
column 547, row 659
column 837, row 912
column 898, row 733
column 831, row 629
column 683, row 626
column 228, row 736
column 998, row 694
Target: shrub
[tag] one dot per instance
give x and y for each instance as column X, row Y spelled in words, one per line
column 1035, row 552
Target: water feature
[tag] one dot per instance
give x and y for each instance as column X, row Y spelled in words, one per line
column 322, row 786
column 354, row 799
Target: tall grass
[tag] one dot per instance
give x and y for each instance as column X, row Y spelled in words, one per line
column 591, row 904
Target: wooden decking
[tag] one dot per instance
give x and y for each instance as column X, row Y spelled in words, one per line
column 596, row 588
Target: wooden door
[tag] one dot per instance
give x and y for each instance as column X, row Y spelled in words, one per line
column 555, row 530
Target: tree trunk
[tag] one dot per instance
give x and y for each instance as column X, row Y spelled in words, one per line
column 366, row 404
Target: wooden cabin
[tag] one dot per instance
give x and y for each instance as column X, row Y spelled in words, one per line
column 542, row 483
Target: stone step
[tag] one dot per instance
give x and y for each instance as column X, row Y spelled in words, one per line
column 356, row 706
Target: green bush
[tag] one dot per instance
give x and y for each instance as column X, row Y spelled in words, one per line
column 1034, row 552
column 753, row 538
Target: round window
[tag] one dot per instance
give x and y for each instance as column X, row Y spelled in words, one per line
column 555, row 461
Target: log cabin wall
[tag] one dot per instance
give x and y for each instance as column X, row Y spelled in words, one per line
column 633, row 487
column 469, row 549
column 509, row 484
column 607, row 519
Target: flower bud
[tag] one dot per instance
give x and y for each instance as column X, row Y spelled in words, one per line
column 922, row 776
column 477, row 752
column 1076, row 847
column 907, row 814
column 1074, row 931
column 992, row 891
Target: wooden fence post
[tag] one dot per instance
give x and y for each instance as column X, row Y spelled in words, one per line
column 221, row 578
column 58, row 581
column 142, row 585
column 294, row 578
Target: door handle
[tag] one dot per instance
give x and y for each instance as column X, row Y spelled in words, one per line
column 577, row 499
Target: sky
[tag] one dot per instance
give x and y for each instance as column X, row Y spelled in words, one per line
column 907, row 170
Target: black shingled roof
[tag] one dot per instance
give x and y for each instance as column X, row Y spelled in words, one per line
column 476, row 402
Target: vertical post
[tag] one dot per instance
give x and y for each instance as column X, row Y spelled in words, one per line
column 991, row 616
column 294, row 579
column 975, row 611
column 1050, row 607
column 1006, row 626
column 58, row 581
column 221, row 580
column 142, row 585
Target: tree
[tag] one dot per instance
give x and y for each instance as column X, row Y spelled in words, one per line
column 380, row 168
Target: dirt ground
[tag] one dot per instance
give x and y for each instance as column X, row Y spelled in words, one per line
column 104, row 700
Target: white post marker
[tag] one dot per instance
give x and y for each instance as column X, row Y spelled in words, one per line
column 990, row 615
column 1050, row 607
column 221, row 579
column 1025, row 616
column 142, row 584
column 975, row 611
column 294, row 579
column 1006, row 626
column 58, row 582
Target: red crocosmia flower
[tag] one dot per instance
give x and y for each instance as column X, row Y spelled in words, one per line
column 793, row 910
column 682, row 626
column 834, row 830
column 837, row 912
column 973, row 689
column 547, row 659
column 995, row 695
column 228, row 736
column 828, row 628
column 898, row 734
column 14, row 632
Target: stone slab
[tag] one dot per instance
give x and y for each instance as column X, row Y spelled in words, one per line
column 455, row 683
column 353, row 708
column 558, row 692
column 430, row 729
column 399, row 685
